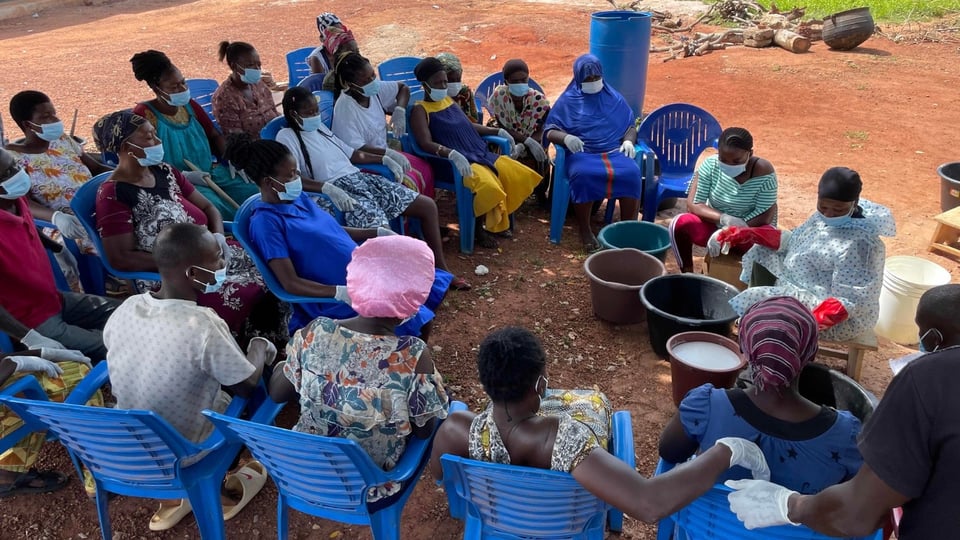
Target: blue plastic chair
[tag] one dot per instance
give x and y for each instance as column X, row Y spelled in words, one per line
column 84, row 206
column 138, row 454
column 510, row 501
column 676, row 135
column 328, row 477
column 400, row 69
column 297, row 66
column 710, row 517
column 201, row 91
column 325, row 102
column 313, row 82
column 92, row 274
column 489, row 84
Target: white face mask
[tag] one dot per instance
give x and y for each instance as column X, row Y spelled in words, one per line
column 16, row 186
column 593, row 87
column 732, row 171
column 453, row 88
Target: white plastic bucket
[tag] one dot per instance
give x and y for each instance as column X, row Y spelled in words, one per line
column 905, row 279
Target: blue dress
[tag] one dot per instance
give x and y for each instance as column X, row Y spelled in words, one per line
column 806, row 457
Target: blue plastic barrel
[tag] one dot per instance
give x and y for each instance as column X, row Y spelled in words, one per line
column 621, row 40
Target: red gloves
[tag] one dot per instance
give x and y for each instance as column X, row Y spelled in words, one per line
column 745, row 236
column 829, row 313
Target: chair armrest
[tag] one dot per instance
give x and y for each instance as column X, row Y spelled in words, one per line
column 641, row 146
column 622, row 438
column 499, row 141
column 663, row 467
column 457, row 406
column 94, row 380
column 416, row 451
column 29, row 386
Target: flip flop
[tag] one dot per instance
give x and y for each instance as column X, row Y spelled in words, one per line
column 24, row 483
column 249, row 480
column 460, row 284
column 168, row 516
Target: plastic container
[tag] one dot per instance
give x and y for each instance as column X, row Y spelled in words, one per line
column 905, row 279
column 847, row 29
column 698, row 358
column 949, row 185
column 683, row 303
column 621, row 40
column 648, row 237
column 616, row 276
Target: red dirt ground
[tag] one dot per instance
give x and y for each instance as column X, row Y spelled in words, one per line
column 885, row 109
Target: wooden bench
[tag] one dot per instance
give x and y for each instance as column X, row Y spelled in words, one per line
column 947, row 234
column 853, row 351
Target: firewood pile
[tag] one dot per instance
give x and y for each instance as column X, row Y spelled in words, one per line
column 755, row 26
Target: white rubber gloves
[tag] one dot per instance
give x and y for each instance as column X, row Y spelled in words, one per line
column 197, row 178
column 341, row 199
column 398, row 122
column 34, row 340
column 47, row 361
column 726, row 220
column 68, row 225
column 341, row 294
column 461, row 163
column 535, row 149
column 573, row 143
column 224, row 248
column 758, row 503
column 383, row 231
column 395, row 168
column 506, row 135
column 64, row 355
column 747, row 455
column 713, row 245
column 399, row 158
column 628, row 149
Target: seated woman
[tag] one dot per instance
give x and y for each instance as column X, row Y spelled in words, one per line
column 809, row 447
column 185, row 129
column 499, row 183
column 243, row 103
column 320, row 61
column 57, row 165
column 522, row 111
column 338, row 41
column 304, row 246
column 732, row 188
column 832, row 263
column 144, row 195
column 326, row 164
column 460, row 93
column 358, row 120
column 354, row 378
column 58, row 371
column 513, row 430
column 596, row 126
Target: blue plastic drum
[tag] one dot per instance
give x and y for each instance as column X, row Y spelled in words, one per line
column 621, row 40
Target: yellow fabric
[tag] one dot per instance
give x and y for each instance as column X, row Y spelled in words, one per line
column 496, row 197
column 434, row 106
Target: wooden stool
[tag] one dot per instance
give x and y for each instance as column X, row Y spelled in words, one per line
column 853, row 351
column 947, row 234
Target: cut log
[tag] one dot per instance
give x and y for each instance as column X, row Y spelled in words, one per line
column 758, row 34
column 757, row 43
column 791, row 41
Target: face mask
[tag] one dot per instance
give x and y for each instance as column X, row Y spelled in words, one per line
column 454, row 88
column 178, row 99
column 436, row 94
column 732, row 171
column 250, row 76
column 291, row 190
column 17, row 185
column 219, row 276
column 152, row 155
column 839, row 220
column 310, row 123
column 370, row 89
column 592, row 87
column 50, row 132
column 518, row 89
column 923, row 348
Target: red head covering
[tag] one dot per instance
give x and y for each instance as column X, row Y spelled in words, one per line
column 335, row 37
column 779, row 336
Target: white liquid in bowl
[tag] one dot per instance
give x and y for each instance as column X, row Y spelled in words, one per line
column 703, row 355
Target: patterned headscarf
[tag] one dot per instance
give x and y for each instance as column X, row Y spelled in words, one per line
column 111, row 130
column 450, row 62
column 390, row 277
column 335, row 37
column 326, row 20
column 779, row 336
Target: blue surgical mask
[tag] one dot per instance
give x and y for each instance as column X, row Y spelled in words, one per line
column 251, row 75
column 518, row 89
column 50, row 132
column 219, row 276
column 838, row 220
column 178, row 99
column 152, row 155
column 923, row 348
column 453, row 88
column 732, row 171
column 311, row 123
column 291, row 190
column 370, row 89
column 17, row 185
column 592, row 87
column 436, row 94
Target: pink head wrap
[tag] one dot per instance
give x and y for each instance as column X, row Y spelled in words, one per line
column 390, row 276
column 779, row 336
column 334, row 37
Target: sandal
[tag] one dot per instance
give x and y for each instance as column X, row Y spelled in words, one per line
column 248, row 481
column 168, row 516
column 460, row 284
column 34, row 481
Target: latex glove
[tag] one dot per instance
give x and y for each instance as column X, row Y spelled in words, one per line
column 713, row 244
column 383, row 231
column 747, row 455
column 461, row 163
column 35, row 363
column 398, row 122
column 399, row 158
column 341, row 199
column 68, row 225
column 830, row 312
column 535, row 149
column 342, row 295
column 518, row 151
column 270, row 350
column 224, row 247
column 746, row 236
column 63, row 355
column 628, row 149
column 758, row 503
column 395, row 168
column 197, row 178
column 573, row 143
column 726, row 220
column 506, row 135
column 34, row 340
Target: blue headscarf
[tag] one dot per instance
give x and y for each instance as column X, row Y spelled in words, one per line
column 600, row 120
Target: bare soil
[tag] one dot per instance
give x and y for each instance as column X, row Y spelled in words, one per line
column 886, row 109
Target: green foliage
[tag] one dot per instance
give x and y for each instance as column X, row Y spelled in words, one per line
column 882, row 10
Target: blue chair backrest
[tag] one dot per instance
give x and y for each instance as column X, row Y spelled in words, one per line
column 297, row 66
column 490, row 83
column 400, row 69
column 6, row 344
column 201, row 91
column 325, row 102
column 269, row 132
column 313, row 82
column 84, row 205
column 678, row 133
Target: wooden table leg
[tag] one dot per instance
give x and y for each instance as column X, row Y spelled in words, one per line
column 855, row 362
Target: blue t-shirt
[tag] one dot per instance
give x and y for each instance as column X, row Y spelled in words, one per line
column 806, row 457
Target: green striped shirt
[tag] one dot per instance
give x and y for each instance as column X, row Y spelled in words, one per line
column 723, row 193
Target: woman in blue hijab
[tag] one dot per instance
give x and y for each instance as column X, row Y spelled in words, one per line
column 596, row 126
